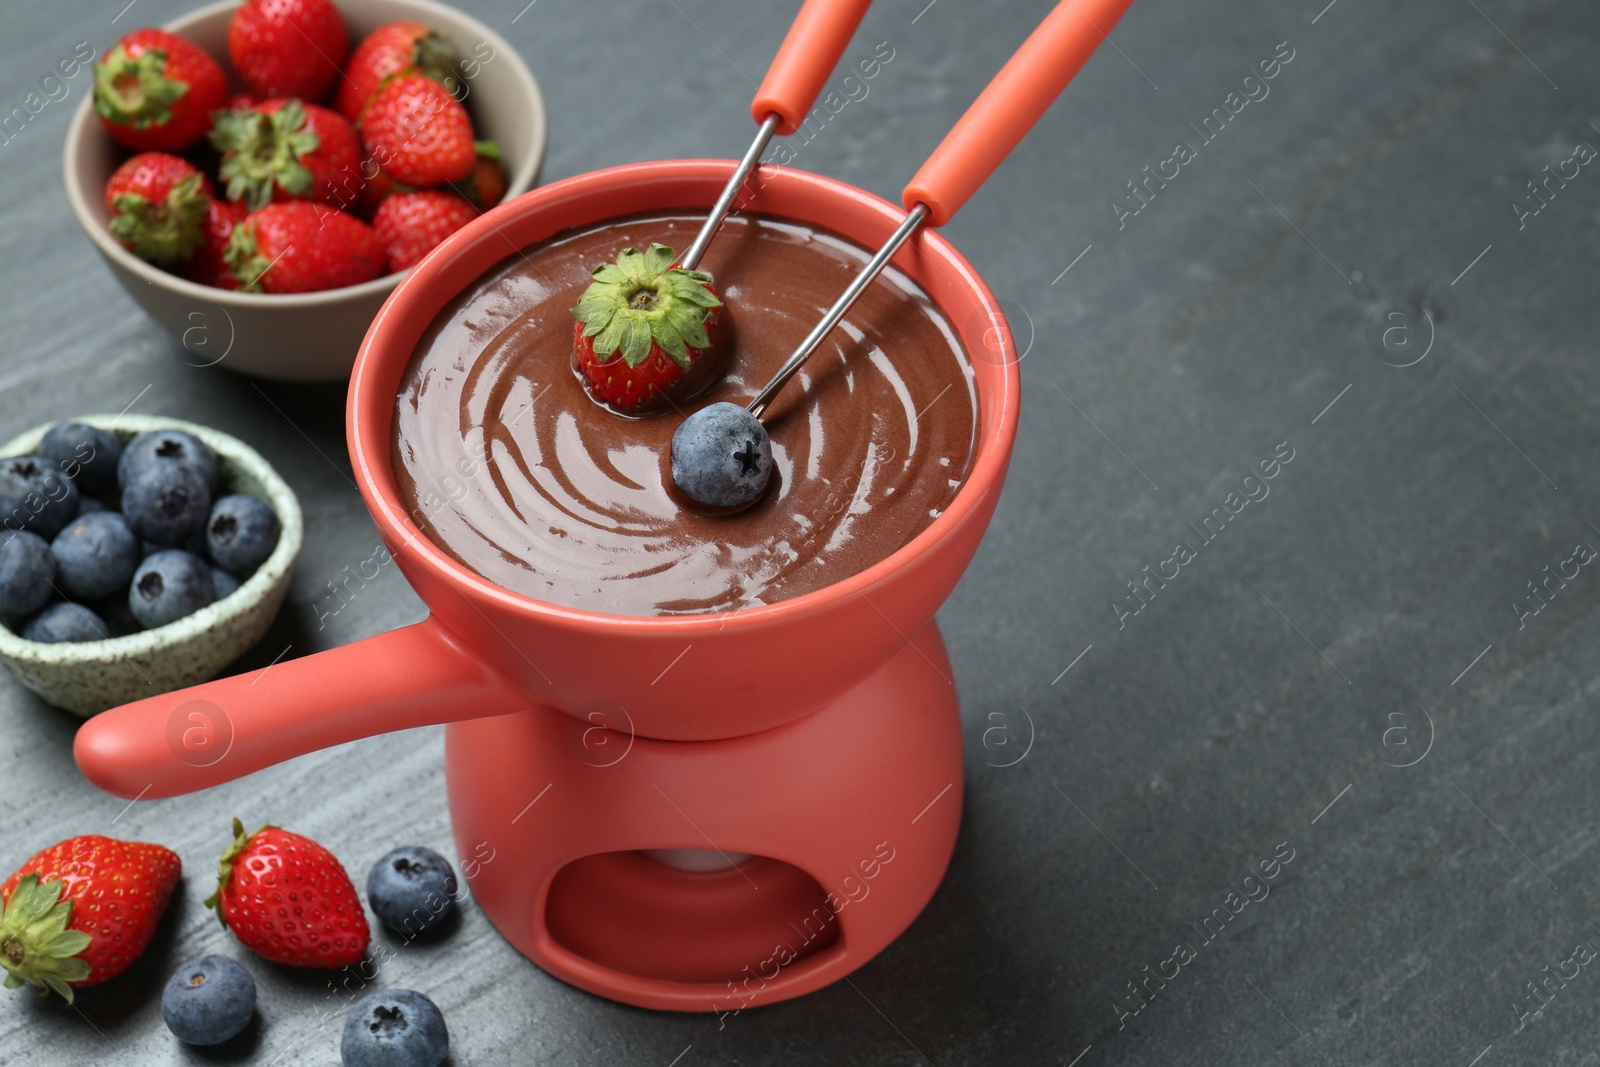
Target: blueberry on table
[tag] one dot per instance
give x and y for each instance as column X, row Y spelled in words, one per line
column 169, row 585
column 413, row 889
column 394, row 1028
column 155, row 449
column 166, row 504
column 86, row 454
column 65, row 622
column 208, row 1000
column 27, row 575
column 35, row 496
column 721, row 456
column 241, row 534
column 95, row 555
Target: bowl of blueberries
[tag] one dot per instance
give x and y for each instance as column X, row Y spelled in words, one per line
column 138, row 555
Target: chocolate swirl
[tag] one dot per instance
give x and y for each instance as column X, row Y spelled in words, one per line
column 508, row 466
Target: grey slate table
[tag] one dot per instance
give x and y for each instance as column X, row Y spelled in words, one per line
column 1350, row 674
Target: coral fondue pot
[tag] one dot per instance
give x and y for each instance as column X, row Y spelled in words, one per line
column 769, row 813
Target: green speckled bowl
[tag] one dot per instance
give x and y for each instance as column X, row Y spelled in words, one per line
column 90, row 676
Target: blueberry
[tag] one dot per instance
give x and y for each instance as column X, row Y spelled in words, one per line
column 226, row 584
column 413, row 889
column 208, row 1000
column 167, row 504
column 241, row 534
column 394, row 1028
column 88, row 504
column 721, row 456
column 169, row 585
column 167, row 448
column 27, row 574
column 95, row 555
column 86, row 454
column 65, row 622
column 35, row 496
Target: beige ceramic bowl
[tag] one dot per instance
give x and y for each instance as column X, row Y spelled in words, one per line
column 309, row 337
column 90, row 676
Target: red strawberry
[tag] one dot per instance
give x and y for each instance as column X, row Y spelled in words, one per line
column 209, row 265
column 80, row 912
column 288, row 900
column 157, row 203
column 642, row 331
column 397, row 48
column 155, row 90
column 287, row 47
column 285, row 150
column 410, row 225
column 485, row 183
column 418, row 132
column 242, row 102
column 302, row 247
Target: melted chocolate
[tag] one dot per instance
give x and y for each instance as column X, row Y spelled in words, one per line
column 507, row 465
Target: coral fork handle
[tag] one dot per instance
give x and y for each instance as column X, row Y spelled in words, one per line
column 1007, row 109
column 807, row 56
column 208, row 734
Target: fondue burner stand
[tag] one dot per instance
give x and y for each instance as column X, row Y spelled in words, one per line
column 714, row 875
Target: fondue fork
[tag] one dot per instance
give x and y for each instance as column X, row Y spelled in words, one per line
column 978, row 143
column 721, row 455
column 809, row 53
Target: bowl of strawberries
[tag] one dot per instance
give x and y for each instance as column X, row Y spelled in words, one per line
column 259, row 175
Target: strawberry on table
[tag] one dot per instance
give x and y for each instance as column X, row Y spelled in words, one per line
column 285, row 150
column 418, row 132
column 302, row 247
column 155, row 90
column 80, row 912
column 157, row 203
column 485, row 183
column 642, row 331
column 287, row 899
column 287, row 47
column 209, row 265
column 397, row 48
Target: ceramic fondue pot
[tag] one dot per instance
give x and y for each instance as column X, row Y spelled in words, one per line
column 824, row 723
column 809, row 748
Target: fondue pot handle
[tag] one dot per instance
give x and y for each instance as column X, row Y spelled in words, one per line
column 807, row 56
column 1013, row 101
column 208, row 734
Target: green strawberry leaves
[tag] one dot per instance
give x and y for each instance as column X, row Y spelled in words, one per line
column 135, row 92
column 165, row 231
column 36, row 948
column 436, row 57
column 643, row 300
column 262, row 152
column 244, row 258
